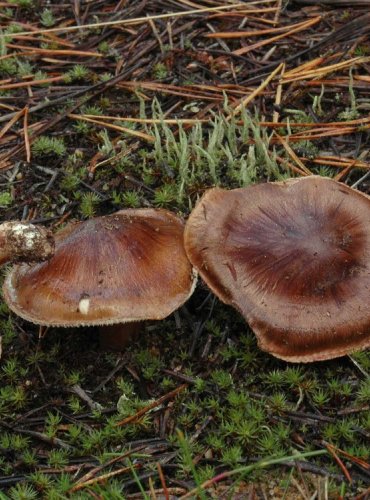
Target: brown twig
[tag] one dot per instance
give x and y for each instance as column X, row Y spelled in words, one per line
column 151, row 406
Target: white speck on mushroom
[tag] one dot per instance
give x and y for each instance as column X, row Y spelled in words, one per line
column 83, row 306
column 28, row 235
column 19, row 228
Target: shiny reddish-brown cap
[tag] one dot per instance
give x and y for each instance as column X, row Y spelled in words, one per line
column 294, row 258
column 128, row 266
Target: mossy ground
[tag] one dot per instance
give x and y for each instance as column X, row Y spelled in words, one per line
column 233, row 404
column 239, row 405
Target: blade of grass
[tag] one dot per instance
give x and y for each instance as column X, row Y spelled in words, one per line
column 138, row 482
column 188, row 461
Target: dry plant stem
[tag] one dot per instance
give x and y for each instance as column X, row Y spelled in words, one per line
column 132, row 21
column 104, row 477
column 117, row 337
column 82, row 481
column 77, row 389
column 151, row 406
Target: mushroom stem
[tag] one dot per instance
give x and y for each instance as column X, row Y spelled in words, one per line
column 117, row 337
column 24, row 242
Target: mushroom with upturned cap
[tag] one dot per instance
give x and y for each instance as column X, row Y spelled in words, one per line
column 126, row 267
column 24, row 242
column 294, row 258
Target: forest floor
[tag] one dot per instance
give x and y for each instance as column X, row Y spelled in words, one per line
column 114, row 104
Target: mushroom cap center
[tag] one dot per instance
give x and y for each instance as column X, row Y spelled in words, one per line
column 308, row 255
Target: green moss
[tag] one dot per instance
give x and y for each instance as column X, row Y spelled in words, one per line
column 44, row 145
column 47, row 18
column 6, row 199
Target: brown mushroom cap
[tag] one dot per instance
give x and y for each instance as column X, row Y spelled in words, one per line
column 294, row 258
column 129, row 266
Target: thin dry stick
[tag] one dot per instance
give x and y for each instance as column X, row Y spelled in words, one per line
column 313, row 63
column 279, row 90
column 136, row 20
column 357, row 365
column 175, row 491
column 156, row 403
column 18, row 85
column 263, row 10
column 299, row 27
column 356, row 460
column 185, row 91
column 278, row 12
column 54, row 441
column 241, row 14
column 151, row 489
column 90, row 475
column 54, row 52
column 359, row 82
column 151, row 121
column 8, row 56
column 292, row 154
column 250, row 33
column 103, row 477
column 343, row 173
column 319, row 72
column 292, row 167
column 319, row 135
column 6, row 106
column 332, row 452
column 15, row 118
column 135, row 133
column 125, row 152
column 26, row 136
column 340, row 162
column 156, row 35
column 77, row 389
column 329, row 130
column 163, row 481
column 244, row 102
column 191, row 4
column 358, row 121
column 363, row 495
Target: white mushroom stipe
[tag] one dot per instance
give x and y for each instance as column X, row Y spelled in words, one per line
column 19, row 228
column 83, row 306
column 28, row 234
column 24, row 242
